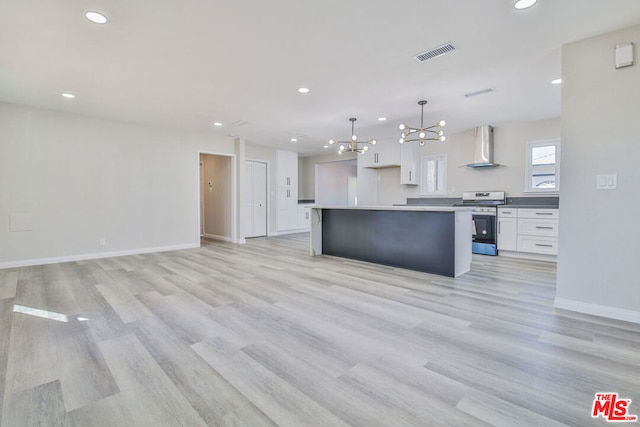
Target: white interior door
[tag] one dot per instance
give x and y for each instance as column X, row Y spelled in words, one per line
column 260, row 199
column 255, row 199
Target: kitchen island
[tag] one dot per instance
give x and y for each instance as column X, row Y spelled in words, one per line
column 433, row 239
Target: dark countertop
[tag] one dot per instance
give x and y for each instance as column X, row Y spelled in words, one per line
column 539, row 202
column 529, row 206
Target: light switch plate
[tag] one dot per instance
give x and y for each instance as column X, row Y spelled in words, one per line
column 606, row 182
column 624, row 55
column 21, row 222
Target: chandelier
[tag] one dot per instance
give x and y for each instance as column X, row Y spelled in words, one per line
column 353, row 144
column 430, row 133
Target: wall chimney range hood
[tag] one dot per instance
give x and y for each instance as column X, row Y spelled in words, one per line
column 483, row 148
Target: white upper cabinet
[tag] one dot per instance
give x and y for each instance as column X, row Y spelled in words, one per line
column 409, row 153
column 287, row 176
column 382, row 155
column 287, row 166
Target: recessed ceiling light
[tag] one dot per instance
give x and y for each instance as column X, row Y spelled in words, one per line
column 96, row 17
column 556, row 81
column 68, row 95
column 303, row 89
column 382, row 119
column 294, row 139
column 326, row 146
column 217, row 124
column 524, row 4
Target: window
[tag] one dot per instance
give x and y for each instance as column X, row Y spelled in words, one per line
column 542, row 169
column 433, row 176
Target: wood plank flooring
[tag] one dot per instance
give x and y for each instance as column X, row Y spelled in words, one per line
column 262, row 334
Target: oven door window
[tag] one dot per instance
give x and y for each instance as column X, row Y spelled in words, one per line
column 484, row 228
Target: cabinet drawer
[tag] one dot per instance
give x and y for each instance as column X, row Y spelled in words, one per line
column 507, row 212
column 538, row 245
column 538, row 227
column 538, row 213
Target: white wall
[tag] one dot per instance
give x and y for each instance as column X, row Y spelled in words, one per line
column 81, row 179
column 509, row 151
column 218, row 221
column 599, row 232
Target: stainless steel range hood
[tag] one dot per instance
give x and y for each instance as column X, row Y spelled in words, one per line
column 483, row 148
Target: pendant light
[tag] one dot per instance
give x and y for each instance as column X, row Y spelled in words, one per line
column 422, row 134
column 353, row 145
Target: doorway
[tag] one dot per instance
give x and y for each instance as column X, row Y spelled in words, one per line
column 336, row 183
column 217, row 197
column 254, row 199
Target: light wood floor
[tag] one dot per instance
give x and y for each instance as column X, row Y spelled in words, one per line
column 263, row 334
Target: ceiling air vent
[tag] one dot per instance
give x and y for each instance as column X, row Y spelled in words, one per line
column 480, row 92
column 434, row 53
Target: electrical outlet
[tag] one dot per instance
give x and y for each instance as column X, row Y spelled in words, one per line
column 102, row 241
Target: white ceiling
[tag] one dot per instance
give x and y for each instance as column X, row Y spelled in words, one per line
column 188, row 63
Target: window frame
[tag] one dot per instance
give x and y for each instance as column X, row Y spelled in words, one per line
column 528, row 169
column 424, row 160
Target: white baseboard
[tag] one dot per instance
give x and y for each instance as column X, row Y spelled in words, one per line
column 283, row 233
column 598, row 310
column 528, row 255
column 216, row 237
column 98, row 255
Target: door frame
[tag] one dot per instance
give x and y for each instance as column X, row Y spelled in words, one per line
column 233, row 208
column 201, row 195
column 268, row 163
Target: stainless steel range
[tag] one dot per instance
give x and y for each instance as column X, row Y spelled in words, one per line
column 484, row 214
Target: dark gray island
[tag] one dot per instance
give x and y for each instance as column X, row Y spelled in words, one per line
column 432, row 239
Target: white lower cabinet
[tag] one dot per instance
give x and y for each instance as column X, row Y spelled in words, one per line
column 304, row 217
column 538, row 245
column 507, row 234
column 528, row 233
column 538, row 227
column 287, row 208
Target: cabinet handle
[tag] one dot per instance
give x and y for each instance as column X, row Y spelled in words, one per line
column 544, row 213
column 306, row 215
column 409, row 176
column 499, row 227
column 544, row 228
column 546, row 246
column 506, row 212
